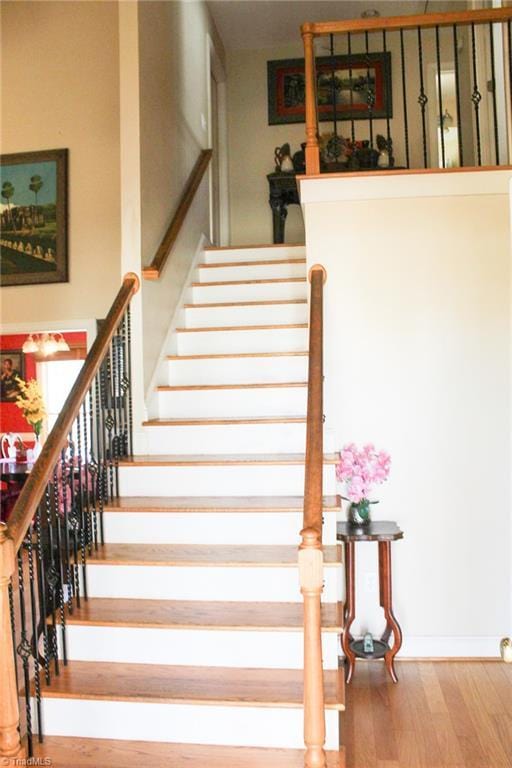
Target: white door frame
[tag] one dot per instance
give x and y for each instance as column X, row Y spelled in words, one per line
column 216, row 68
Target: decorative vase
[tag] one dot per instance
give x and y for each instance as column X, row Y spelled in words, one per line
column 359, row 514
column 367, row 156
column 36, row 450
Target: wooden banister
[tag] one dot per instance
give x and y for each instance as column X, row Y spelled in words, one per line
column 310, row 550
column 34, row 488
column 156, row 267
column 424, row 20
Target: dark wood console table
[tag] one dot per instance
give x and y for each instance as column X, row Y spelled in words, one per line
column 383, row 532
column 283, row 192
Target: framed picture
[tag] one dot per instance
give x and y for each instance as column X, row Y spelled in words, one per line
column 33, row 218
column 359, row 79
column 12, row 365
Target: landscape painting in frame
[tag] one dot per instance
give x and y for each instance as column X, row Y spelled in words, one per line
column 33, row 218
column 356, row 86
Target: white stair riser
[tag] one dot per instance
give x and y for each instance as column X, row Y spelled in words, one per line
column 182, row 723
column 231, row 342
column 210, row 528
column 160, row 582
column 268, row 271
column 200, row 403
column 199, row 647
column 236, row 370
column 219, row 480
column 259, row 314
column 249, row 292
column 228, row 438
column 266, row 253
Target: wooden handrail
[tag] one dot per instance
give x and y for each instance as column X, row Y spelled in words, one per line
column 156, row 267
column 310, row 549
column 425, row 21
column 34, row 488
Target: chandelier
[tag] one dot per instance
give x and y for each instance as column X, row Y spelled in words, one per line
column 45, row 344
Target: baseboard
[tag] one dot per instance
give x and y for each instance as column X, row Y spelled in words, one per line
column 432, row 647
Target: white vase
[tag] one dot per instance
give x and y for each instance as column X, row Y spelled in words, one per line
column 36, row 450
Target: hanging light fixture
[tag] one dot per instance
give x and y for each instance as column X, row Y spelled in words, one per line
column 30, row 345
column 45, row 344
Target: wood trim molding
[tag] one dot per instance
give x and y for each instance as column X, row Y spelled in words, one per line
column 155, row 269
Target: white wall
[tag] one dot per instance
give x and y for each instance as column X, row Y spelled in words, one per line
column 174, row 110
column 60, row 89
column 417, row 360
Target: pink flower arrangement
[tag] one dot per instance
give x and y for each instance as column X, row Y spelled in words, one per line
column 361, row 470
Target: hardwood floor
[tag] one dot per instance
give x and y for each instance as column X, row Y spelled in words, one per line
column 440, row 715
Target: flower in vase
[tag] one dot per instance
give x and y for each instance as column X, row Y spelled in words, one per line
column 360, row 470
column 30, row 402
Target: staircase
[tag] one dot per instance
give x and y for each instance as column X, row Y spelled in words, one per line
column 189, row 650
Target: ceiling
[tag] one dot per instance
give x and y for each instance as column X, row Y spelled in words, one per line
column 265, row 23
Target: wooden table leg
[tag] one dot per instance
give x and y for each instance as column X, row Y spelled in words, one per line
column 350, row 607
column 392, row 625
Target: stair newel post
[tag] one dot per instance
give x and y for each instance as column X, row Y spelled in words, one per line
column 310, row 550
column 312, row 148
column 10, row 745
column 311, row 585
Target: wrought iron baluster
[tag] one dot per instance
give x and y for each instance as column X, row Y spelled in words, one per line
column 388, row 130
column 125, row 386
column 494, row 105
column 109, row 424
column 100, row 448
column 24, row 650
column 440, row 97
column 352, row 123
column 35, row 630
column 404, row 98
column 43, row 603
column 63, row 489
column 457, row 95
column 13, row 629
column 476, row 96
column 77, row 470
column 370, row 95
column 52, row 578
column 129, row 376
column 74, row 518
column 422, row 98
column 93, row 470
column 87, row 478
column 60, row 564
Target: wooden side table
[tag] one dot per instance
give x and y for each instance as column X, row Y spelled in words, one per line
column 383, row 532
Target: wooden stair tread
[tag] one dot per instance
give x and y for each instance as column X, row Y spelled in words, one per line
column 237, row 354
column 196, row 614
column 216, row 504
column 213, row 420
column 225, row 328
column 73, row 752
column 268, row 302
column 206, row 555
column 207, row 387
column 157, row 683
column 252, row 263
column 173, row 460
column 252, row 282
